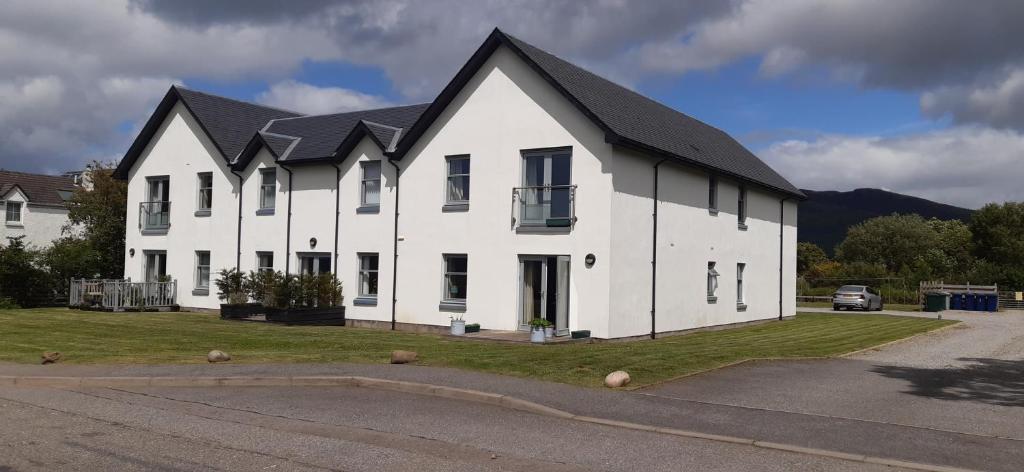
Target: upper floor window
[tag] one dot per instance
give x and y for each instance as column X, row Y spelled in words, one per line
column 370, row 184
column 546, row 197
column 205, row 196
column 741, row 207
column 268, row 187
column 713, row 193
column 712, row 281
column 458, row 180
column 13, row 213
column 155, row 213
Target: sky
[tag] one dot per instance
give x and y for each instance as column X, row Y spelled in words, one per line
column 922, row 97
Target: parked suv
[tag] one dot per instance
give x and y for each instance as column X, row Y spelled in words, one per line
column 856, row 296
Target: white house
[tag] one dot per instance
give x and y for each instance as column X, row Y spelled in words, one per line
column 34, row 207
column 528, row 188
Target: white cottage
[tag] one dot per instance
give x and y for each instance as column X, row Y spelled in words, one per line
column 34, row 207
column 528, row 188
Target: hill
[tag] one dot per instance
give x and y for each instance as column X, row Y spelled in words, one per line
column 825, row 215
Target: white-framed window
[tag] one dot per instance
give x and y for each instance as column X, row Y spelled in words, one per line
column 712, row 193
column 13, row 213
column 712, row 281
column 455, row 278
column 741, row 206
column 369, row 194
column 202, row 276
column 314, row 263
column 205, row 194
column 155, row 265
column 264, row 261
column 741, row 298
column 369, row 264
column 268, row 188
column 458, row 179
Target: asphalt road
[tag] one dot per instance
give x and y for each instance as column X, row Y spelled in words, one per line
column 336, row 428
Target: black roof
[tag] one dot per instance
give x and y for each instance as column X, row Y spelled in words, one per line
column 322, row 134
column 628, row 118
column 229, row 123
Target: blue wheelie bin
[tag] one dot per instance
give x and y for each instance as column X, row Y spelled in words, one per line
column 991, row 302
column 969, row 302
column 956, row 302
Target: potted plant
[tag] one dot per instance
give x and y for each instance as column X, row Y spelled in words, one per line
column 306, row 299
column 231, row 286
column 473, row 328
column 458, row 325
column 537, row 326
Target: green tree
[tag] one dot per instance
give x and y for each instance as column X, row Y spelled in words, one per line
column 70, row 258
column 908, row 246
column 808, row 255
column 21, row 277
column 997, row 231
column 100, row 212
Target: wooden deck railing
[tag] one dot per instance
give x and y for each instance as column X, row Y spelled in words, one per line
column 117, row 294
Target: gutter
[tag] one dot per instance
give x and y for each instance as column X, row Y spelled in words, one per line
column 394, row 252
column 654, row 251
column 288, row 226
column 782, row 225
column 238, row 243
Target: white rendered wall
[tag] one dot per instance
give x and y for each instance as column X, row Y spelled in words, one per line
column 40, row 225
column 689, row 236
column 504, row 109
column 180, row 149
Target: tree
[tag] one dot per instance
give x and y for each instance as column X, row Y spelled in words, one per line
column 808, row 255
column 100, row 212
column 996, row 231
column 70, row 258
column 910, row 246
column 21, row 278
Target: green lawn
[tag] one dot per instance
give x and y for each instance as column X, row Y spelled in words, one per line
column 887, row 306
column 95, row 337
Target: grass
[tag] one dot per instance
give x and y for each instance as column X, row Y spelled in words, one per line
column 160, row 338
column 887, row 306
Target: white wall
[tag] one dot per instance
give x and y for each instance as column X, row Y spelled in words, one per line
column 689, row 236
column 40, row 224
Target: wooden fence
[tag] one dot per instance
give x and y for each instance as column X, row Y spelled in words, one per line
column 117, row 294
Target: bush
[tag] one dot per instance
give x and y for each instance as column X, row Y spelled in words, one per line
column 231, row 287
column 8, row 304
column 22, row 276
column 306, row 291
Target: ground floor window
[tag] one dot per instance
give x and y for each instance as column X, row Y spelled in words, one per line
column 265, row 261
column 712, row 281
column 369, row 264
column 155, row 268
column 314, row 263
column 740, row 295
column 455, row 270
column 202, row 276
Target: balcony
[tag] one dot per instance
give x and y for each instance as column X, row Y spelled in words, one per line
column 154, row 216
column 544, row 208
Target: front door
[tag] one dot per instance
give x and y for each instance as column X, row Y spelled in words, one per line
column 544, row 291
column 156, row 266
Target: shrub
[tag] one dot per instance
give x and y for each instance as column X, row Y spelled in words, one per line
column 7, row 303
column 306, row 291
column 231, row 286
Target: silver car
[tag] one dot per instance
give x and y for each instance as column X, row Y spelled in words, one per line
column 856, row 296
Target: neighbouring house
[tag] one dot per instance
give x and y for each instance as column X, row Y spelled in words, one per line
column 34, row 206
column 528, row 188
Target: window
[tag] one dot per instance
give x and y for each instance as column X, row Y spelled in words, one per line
column 13, row 212
column 156, row 266
column 368, row 266
column 314, row 263
column 546, row 197
column 455, row 278
column 740, row 297
column 741, row 207
column 458, row 180
column 202, row 270
column 370, row 186
column 155, row 214
column 268, row 188
column 265, row 261
column 205, row 191
column 713, row 194
column 712, row 281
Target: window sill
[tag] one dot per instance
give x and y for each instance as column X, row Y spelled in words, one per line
column 540, row 229
column 13, row 224
column 741, row 307
column 741, row 226
column 200, row 292
column 155, row 231
column 365, row 301
column 452, row 305
column 368, row 210
column 712, row 299
column 203, row 213
column 264, row 211
column 713, row 211
column 455, row 207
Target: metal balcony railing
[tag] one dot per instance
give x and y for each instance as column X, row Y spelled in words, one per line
column 154, row 215
column 544, row 206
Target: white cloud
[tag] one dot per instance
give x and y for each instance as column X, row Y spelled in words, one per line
column 313, row 100
column 965, row 165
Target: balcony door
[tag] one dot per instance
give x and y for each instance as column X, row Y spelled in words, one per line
column 547, row 193
column 157, row 209
column 156, row 266
column 544, row 291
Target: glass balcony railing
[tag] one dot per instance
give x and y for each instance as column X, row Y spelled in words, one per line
column 544, row 206
column 154, row 215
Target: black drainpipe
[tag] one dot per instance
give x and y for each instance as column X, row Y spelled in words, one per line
column 337, row 211
column 654, row 251
column 288, row 226
column 238, row 244
column 394, row 252
column 782, row 225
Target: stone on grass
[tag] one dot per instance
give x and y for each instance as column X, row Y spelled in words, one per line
column 218, row 356
column 402, row 357
column 51, row 357
column 616, row 379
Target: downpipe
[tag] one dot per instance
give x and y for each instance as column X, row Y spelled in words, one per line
column 288, row 225
column 654, row 253
column 337, row 212
column 238, row 240
column 394, row 250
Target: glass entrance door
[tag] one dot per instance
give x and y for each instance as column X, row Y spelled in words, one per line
column 544, row 291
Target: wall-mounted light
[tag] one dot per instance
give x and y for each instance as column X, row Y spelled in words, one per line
column 131, row 252
column 312, row 243
column 589, row 260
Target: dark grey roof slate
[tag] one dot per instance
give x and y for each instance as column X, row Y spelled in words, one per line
column 278, row 144
column 230, row 123
column 38, row 188
column 637, row 118
column 322, row 134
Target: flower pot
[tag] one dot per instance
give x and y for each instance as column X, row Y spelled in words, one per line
column 549, row 332
column 537, row 335
column 458, row 327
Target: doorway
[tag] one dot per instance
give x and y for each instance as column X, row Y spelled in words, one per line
column 544, row 291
